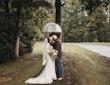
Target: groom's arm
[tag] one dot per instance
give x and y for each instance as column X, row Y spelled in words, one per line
column 57, row 46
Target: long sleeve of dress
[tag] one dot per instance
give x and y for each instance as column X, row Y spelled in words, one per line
column 49, row 48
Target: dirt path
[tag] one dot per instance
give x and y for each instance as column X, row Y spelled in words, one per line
column 70, row 74
column 70, row 77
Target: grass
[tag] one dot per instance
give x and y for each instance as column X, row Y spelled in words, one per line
column 104, row 43
column 99, row 43
column 90, row 68
column 38, row 48
column 17, row 72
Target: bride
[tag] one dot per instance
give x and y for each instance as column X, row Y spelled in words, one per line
column 48, row 74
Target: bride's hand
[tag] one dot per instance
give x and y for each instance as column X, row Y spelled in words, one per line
column 53, row 58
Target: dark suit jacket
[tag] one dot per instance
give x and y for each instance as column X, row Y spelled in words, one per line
column 57, row 46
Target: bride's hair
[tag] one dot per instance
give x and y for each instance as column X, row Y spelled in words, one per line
column 50, row 38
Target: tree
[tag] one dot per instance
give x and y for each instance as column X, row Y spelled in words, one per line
column 58, row 11
column 19, row 24
column 80, row 25
column 91, row 5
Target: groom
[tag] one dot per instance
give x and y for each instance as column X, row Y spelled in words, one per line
column 58, row 61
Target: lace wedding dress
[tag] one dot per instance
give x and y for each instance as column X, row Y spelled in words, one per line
column 48, row 74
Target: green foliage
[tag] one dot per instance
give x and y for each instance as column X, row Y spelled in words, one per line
column 91, row 5
column 32, row 17
column 79, row 26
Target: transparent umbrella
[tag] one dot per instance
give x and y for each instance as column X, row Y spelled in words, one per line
column 52, row 27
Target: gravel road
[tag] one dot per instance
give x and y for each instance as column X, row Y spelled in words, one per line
column 100, row 49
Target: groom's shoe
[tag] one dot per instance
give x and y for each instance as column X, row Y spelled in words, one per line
column 60, row 78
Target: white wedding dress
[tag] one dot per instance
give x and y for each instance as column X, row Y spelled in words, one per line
column 48, row 74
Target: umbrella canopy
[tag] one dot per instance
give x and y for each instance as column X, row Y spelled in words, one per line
column 52, row 27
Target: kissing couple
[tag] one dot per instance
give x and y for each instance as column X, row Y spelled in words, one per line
column 52, row 59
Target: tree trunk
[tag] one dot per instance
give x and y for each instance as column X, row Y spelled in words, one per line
column 6, row 2
column 16, row 50
column 17, row 35
column 58, row 11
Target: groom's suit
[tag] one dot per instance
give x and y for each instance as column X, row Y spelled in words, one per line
column 57, row 46
column 58, row 61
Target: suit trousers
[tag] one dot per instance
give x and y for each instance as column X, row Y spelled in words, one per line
column 59, row 67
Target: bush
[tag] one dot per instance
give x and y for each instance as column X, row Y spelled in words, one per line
column 6, row 53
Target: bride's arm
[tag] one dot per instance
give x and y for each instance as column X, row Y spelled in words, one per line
column 49, row 49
